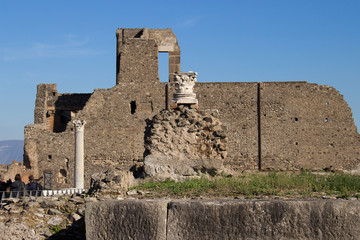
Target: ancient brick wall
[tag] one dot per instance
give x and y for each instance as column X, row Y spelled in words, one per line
column 114, row 133
column 275, row 125
column 8, row 171
column 138, row 61
column 47, row 151
column 48, row 145
column 237, row 106
column 137, row 54
column 119, row 120
column 303, row 126
column 45, row 99
column 306, row 126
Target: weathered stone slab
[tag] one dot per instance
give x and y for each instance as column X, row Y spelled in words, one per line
column 128, row 219
column 223, row 219
column 275, row 219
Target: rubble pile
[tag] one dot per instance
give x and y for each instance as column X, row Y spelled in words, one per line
column 111, row 182
column 43, row 218
column 184, row 142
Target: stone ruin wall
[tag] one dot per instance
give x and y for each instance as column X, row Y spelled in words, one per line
column 137, row 54
column 114, row 136
column 50, row 135
column 8, row 171
column 236, row 103
column 307, row 126
column 302, row 125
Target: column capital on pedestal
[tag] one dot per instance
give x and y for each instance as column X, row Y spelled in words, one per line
column 184, row 84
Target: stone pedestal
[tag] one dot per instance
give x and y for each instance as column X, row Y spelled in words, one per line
column 79, row 154
column 184, row 84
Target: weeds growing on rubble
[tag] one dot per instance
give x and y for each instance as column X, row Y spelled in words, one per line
column 253, row 185
column 55, row 229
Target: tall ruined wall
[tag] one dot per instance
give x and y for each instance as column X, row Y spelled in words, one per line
column 48, row 145
column 274, row 125
column 237, row 106
column 138, row 61
column 306, row 126
column 47, row 151
column 294, row 131
column 114, row 133
column 45, row 98
column 137, row 54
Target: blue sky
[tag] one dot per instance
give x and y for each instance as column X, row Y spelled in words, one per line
column 72, row 44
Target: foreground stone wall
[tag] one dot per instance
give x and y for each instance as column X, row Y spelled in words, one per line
column 223, row 219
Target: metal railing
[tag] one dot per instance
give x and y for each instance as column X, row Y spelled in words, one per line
column 7, row 195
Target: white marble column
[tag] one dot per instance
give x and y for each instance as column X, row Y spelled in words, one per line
column 79, row 154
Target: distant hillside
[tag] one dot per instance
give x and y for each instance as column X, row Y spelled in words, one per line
column 11, row 150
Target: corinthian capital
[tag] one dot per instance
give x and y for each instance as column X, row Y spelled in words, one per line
column 184, row 82
column 79, row 125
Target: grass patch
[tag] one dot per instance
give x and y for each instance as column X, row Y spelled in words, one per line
column 252, row 185
column 55, row 229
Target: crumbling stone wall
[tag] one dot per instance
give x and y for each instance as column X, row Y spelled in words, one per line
column 184, row 142
column 48, row 142
column 262, row 129
column 55, row 110
column 8, row 171
column 137, row 54
column 114, row 133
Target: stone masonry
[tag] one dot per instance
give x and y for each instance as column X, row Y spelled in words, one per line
column 223, row 219
column 270, row 125
column 184, row 142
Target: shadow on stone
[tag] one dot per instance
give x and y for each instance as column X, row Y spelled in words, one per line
column 138, row 171
column 75, row 231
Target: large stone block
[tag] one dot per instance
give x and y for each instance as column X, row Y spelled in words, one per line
column 128, row 219
column 307, row 219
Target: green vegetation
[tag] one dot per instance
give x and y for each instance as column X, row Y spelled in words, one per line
column 55, row 229
column 256, row 185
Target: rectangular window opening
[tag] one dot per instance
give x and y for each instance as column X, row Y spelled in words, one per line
column 163, row 66
column 133, row 107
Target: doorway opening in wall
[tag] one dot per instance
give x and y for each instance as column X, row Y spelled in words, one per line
column 132, row 107
column 63, row 176
column 47, row 180
column 163, row 66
